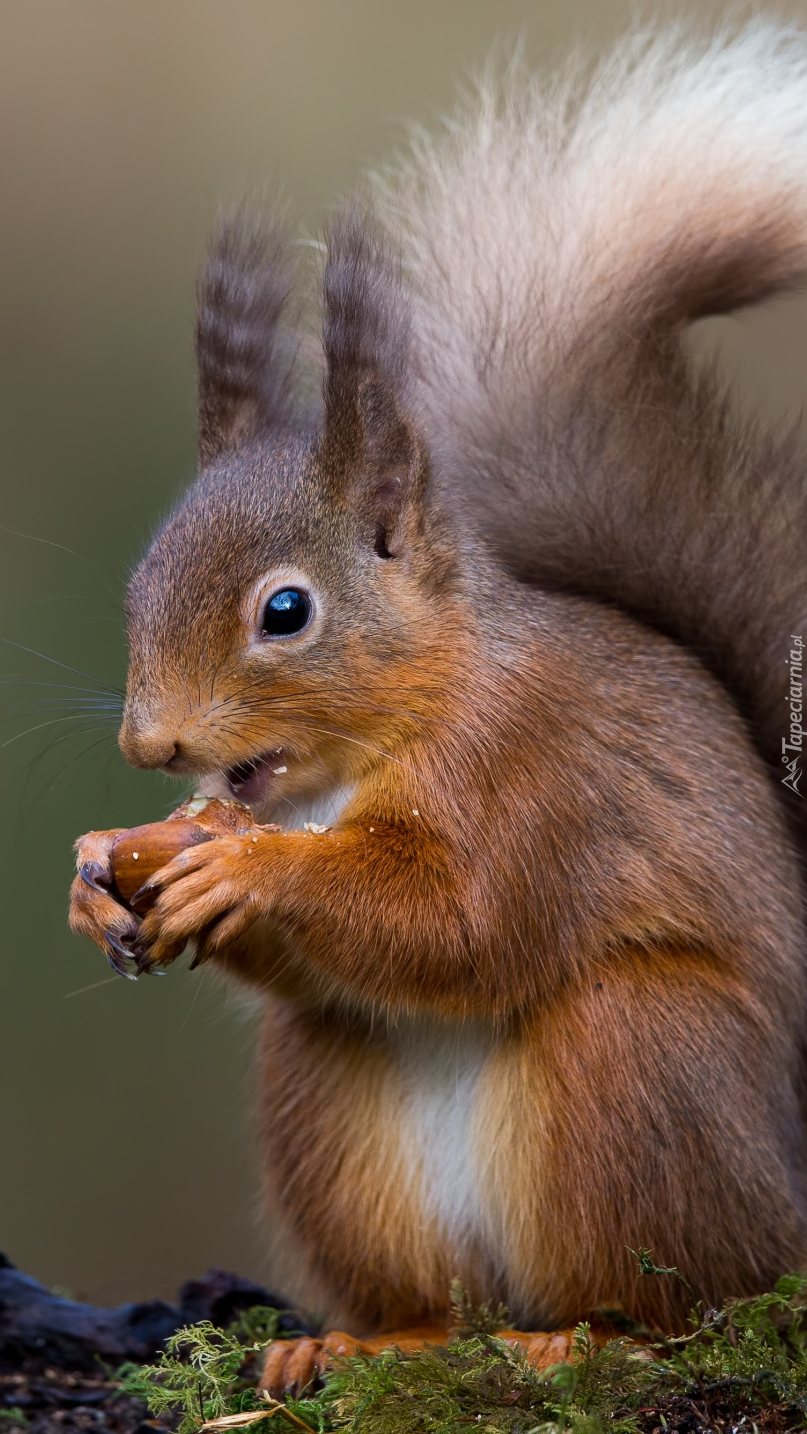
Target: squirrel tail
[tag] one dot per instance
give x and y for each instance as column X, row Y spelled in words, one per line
column 557, row 242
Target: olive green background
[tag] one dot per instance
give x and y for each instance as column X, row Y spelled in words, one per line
column 125, row 1124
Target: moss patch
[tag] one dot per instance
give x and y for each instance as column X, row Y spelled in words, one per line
column 742, row 1368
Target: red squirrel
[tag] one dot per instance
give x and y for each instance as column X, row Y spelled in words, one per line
column 505, row 633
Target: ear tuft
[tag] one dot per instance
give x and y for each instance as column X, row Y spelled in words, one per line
column 365, row 330
column 245, row 359
column 369, row 444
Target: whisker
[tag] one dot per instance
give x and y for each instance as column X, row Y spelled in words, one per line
column 80, row 756
column 193, row 1001
column 72, row 717
column 52, row 598
column 278, row 703
column 115, row 752
column 28, row 809
column 108, row 981
column 34, row 762
column 49, row 543
column 371, row 747
column 16, row 710
column 99, row 686
column 287, row 801
column 58, row 704
column 64, row 686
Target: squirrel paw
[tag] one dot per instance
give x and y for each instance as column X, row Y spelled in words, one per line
column 291, row 1365
column 93, row 911
column 543, row 1349
column 210, row 892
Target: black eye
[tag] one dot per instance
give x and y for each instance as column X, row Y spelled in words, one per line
column 286, row 612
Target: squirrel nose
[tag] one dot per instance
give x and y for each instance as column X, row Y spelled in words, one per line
column 146, row 748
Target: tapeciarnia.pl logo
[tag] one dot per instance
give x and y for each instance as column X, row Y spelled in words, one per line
column 793, row 764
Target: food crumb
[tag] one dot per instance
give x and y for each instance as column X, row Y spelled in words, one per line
column 278, row 771
column 372, row 829
column 315, row 827
column 135, row 855
column 415, row 812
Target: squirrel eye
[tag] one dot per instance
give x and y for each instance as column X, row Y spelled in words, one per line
column 286, row 612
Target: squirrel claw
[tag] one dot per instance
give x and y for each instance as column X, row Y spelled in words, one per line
column 118, row 955
column 92, row 872
column 144, row 963
column 143, row 956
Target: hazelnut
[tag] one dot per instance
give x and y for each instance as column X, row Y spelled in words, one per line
column 141, row 851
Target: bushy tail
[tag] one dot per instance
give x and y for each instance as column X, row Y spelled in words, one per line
column 558, row 239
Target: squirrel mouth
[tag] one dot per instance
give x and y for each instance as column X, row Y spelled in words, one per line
column 248, row 780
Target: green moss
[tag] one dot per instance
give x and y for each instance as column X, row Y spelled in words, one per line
column 205, row 1373
column 467, row 1318
column 742, row 1368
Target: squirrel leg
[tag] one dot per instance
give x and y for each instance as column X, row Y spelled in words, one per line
column 670, row 1122
column 347, row 908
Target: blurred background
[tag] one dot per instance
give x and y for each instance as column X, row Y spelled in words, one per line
column 125, row 1117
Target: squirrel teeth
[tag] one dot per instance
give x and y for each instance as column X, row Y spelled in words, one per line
column 242, row 773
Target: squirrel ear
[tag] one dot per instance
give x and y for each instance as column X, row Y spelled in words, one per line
column 390, row 475
column 244, row 359
column 369, row 446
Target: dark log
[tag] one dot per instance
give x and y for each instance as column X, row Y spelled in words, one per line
column 39, row 1328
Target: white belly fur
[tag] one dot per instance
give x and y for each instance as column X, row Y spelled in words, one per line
column 324, row 810
column 440, row 1066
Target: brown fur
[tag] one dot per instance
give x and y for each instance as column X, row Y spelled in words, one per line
column 563, row 871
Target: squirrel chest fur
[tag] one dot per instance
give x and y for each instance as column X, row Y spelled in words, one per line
column 494, row 642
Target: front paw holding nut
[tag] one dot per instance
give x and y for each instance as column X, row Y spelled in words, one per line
column 95, row 908
column 114, row 886
column 209, row 894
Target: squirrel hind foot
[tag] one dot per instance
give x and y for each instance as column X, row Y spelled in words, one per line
column 291, row 1365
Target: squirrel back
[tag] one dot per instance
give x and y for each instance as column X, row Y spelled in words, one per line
column 556, row 243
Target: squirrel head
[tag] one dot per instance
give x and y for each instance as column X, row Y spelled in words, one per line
column 279, row 624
